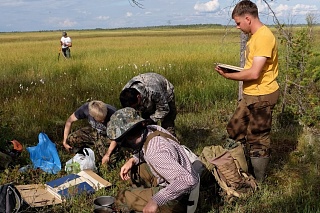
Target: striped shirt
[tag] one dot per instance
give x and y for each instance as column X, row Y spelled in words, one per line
column 173, row 169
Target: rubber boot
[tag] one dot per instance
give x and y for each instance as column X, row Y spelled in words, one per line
column 259, row 165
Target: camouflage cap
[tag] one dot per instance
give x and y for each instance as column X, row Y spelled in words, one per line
column 121, row 122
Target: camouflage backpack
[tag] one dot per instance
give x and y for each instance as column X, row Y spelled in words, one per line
column 229, row 167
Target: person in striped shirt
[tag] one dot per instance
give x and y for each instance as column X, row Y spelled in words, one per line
column 160, row 169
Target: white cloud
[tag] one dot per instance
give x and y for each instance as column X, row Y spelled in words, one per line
column 296, row 10
column 67, row 23
column 103, row 17
column 209, row 6
column 83, row 12
column 282, row 9
column 51, row 15
column 262, row 7
column 301, row 9
column 11, row 3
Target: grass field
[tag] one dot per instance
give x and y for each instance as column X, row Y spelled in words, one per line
column 39, row 92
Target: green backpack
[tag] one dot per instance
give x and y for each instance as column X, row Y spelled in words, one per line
column 229, row 167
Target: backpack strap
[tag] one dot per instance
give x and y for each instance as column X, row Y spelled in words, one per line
column 155, row 134
column 17, row 196
column 167, row 136
column 158, row 133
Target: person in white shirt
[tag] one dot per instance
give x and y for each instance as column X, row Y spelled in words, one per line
column 66, row 43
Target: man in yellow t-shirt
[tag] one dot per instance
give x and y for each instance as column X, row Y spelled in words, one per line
column 252, row 119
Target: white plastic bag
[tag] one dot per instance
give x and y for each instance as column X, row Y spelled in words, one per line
column 86, row 161
column 192, row 157
column 194, row 196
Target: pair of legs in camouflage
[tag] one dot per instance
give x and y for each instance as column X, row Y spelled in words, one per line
column 252, row 121
column 144, row 186
column 168, row 121
column 88, row 137
column 251, row 124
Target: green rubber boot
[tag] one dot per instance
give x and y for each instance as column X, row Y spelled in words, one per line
column 259, row 165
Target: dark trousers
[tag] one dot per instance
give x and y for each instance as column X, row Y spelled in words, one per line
column 66, row 52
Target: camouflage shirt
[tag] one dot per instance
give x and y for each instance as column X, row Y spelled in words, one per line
column 156, row 92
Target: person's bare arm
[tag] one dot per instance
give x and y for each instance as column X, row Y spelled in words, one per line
column 125, row 169
column 151, row 207
column 67, row 129
column 106, row 157
column 252, row 73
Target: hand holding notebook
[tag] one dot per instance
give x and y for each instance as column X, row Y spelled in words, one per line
column 229, row 68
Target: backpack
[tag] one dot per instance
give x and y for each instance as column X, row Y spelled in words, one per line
column 10, row 199
column 229, row 167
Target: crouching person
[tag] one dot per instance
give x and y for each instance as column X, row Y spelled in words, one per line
column 160, row 171
column 98, row 114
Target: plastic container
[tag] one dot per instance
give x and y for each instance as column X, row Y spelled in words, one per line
column 104, row 204
column 104, row 210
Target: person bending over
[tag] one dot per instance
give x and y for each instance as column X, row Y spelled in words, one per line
column 98, row 114
column 153, row 96
column 160, row 170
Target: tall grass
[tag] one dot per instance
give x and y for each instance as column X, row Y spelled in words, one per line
column 42, row 90
column 39, row 92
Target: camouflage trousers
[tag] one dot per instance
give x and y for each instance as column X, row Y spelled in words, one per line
column 88, row 137
column 144, row 186
column 252, row 121
column 168, row 121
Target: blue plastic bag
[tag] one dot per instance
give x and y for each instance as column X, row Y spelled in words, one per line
column 45, row 155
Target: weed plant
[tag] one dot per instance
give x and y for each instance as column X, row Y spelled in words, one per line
column 39, row 92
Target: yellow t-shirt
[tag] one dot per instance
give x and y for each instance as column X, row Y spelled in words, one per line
column 262, row 43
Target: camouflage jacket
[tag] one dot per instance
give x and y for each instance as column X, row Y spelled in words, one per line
column 156, row 92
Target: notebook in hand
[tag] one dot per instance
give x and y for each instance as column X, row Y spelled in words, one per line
column 229, row 68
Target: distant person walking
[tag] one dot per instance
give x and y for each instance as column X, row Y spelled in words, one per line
column 66, row 43
column 251, row 122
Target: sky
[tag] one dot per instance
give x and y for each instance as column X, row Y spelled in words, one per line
column 44, row 15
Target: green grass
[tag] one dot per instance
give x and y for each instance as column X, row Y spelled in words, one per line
column 39, row 93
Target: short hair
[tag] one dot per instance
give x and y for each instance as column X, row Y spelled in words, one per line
column 245, row 7
column 98, row 110
column 128, row 97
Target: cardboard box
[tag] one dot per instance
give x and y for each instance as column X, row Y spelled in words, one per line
column 56, row 191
